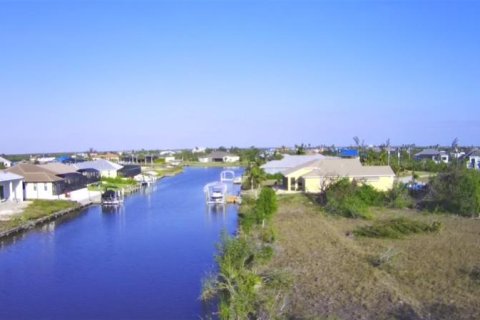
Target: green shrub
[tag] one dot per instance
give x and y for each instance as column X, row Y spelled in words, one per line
column 456, row 190
column 396, row 228
column 398, row 197
column 268, row 235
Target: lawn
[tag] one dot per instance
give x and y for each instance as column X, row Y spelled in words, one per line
column 421, row 276
column 37, row 209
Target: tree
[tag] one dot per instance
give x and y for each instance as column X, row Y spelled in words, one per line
column 255, row 175
column 266, row 205
column 300, row 149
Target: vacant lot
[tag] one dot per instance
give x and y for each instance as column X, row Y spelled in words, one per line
column 423, row 276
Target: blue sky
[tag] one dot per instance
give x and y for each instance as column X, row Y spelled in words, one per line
column 168, row 74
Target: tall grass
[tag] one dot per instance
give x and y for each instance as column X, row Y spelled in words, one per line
column 396, row 228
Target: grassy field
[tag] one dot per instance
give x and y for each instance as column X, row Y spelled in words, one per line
column 37, row 209
column 338, row 275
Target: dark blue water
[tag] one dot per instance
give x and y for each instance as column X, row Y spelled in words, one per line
column 145, row 261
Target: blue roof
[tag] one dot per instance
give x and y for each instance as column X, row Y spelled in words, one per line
column 349, row 153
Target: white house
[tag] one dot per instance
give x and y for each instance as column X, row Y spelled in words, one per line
column 220, row 156
column 39, row 183
column 436, row 156
column 6, row 163
column 11, row 187
column 288, row 162
column 106, row 168
column 473, row 159
column 199, row 150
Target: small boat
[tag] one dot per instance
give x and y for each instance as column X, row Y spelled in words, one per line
column 237, row 180
column 215, row 193
column 112, row 198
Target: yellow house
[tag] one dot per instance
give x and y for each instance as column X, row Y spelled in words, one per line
column 315, row 176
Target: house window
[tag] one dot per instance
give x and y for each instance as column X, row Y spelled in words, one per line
column 292, row 184
column 45, row 187
column 34, row 187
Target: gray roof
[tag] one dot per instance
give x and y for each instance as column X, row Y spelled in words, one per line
column 333, row 167
column 34, row 173
column 289, row 162
column 8, row 176
column 221, row 154
column 100, row 165
column 59, row 168
column 429, row 152
column 473, row 153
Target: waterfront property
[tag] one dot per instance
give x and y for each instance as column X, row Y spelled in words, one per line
column 106, row 168
column 220, row 156
column 316, row 175
column 39, row 183
column 289, row 162
column 11, row 187
column 473, row 159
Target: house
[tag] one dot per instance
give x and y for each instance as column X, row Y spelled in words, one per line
column 288, row 162
column 316, row 175
column 11, row 187
column 349, row 153
column 220, row 156
column 167, row 153
column 130, row 170
column 39, row 182
column 106, row 168
column 436, row 156
column 109, row 156
column 199, row 150
column 5, row 162
column 73, row 179
column 473, row 159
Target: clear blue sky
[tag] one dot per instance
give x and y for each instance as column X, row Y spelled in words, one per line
column 165, row 74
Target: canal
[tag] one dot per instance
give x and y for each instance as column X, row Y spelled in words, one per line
column 143, row 261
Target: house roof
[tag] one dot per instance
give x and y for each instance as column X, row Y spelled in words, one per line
column 9, row 176
column 34, row 173
column 289, row 162
column 473, row 153
column 59, row 168
column 429, row 152
column 100, row 165
column 5, row 160
column 330, row 167
column 221, row 154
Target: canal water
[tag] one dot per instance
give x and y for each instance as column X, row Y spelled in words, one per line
column 143, row 261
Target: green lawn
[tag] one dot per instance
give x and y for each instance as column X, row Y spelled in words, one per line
column 37, row 209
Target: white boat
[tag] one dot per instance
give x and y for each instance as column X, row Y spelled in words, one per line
column 237, row 180
column 215, row 192
column 112, row 198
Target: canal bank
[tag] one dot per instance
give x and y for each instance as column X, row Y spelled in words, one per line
column 145, row 260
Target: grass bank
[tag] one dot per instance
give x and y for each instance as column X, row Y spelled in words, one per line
column 37, row 209
column 212, row 164
column 428, row 275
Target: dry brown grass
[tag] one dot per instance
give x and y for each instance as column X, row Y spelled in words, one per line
column 432, row 276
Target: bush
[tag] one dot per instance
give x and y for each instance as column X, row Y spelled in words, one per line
column 456, row 190
column 396, row 228
column 398, row 197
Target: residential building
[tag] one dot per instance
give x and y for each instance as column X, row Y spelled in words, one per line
column 39, row 182
column 220, row 156
column 11, row 187
column 73, row 180
column 436, row 156
column 5, row 162
column 106, row 168
column 316, row 175
column 288, row 162
column 199, row 150
column 130, row 170
column 473, row 159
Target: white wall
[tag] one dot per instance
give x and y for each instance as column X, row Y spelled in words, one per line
column 13, row 190
column 109, row 173
column 231, row 159
column 39, row 190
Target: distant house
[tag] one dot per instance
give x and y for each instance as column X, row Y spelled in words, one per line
column 43, row 160
column 106, row 168
column 130, row 170
column 199, row 150
column 5, row 162
column 109, row 156
column 314, row 176
column 288, row 162
column 220, row 156
column 65, row 159
column 436, row 156
column 473, row 159
column 39, row 182
column 349, row 153
column 11, row 187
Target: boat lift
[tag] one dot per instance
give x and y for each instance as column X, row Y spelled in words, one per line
column 215, row 192
column 227, row 176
